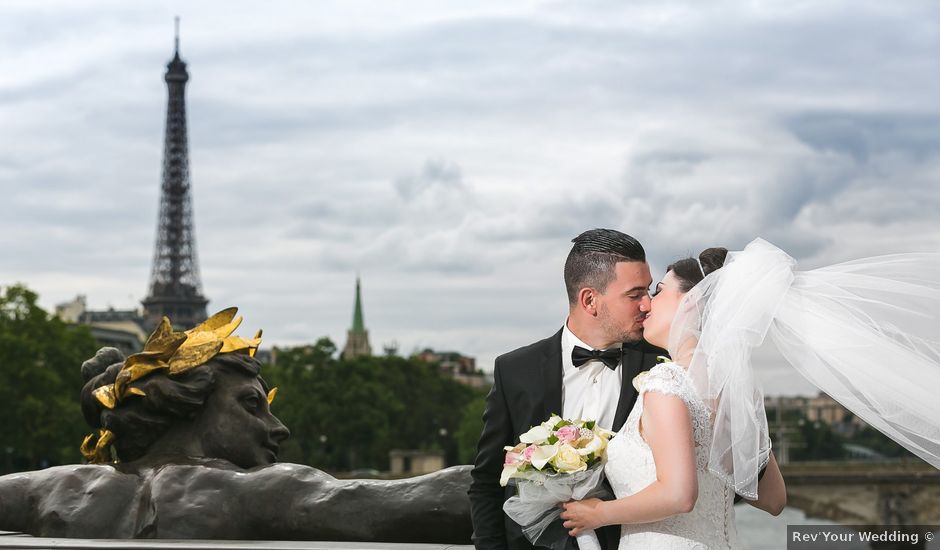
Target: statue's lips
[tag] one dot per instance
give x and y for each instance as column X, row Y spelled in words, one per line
column 273, row 447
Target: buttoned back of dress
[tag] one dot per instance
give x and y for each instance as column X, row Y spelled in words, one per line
column 631, row 468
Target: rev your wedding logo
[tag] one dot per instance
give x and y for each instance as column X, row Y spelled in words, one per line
column 849, row 537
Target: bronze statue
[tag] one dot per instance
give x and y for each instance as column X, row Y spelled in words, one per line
column 187, row 448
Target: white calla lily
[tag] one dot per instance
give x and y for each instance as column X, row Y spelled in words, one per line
column 508, row 471
column 537, row 435
column 551, row 422
column 593, row 446
column 543, row 455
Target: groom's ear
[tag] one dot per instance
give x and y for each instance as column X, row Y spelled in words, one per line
column 587, row 300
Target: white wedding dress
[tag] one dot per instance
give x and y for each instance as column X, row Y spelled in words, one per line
column 630, row 468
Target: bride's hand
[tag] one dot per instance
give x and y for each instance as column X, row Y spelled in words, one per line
column 581, row 515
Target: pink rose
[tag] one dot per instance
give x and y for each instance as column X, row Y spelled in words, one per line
column 568, row 434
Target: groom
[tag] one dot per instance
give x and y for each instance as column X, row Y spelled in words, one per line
column 585, row 370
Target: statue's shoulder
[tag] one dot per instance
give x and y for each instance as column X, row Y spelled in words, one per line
column 68, row 480
column 78, row 475
column 214, row 475
column 78, row 500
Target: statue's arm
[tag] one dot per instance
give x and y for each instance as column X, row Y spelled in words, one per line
column 309, row 504
column 14, row 502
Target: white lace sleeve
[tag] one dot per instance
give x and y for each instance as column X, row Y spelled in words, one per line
column 666, row 378
column 672, row 379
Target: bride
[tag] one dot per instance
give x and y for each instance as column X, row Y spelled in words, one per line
column 865, row 332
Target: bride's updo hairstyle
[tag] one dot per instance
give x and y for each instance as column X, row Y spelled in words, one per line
column 688, row 272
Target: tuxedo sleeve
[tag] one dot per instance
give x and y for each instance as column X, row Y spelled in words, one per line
column 486, row 495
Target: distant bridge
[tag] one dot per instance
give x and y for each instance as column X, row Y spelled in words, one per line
column 871, row 493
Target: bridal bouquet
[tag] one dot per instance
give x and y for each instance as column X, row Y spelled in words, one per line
column 554, row 462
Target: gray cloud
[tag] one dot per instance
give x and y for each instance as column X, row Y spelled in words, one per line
column 864, row 135
column 449, row 153
column 438, row 173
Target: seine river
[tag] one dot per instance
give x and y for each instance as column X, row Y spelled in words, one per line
column 758, row 530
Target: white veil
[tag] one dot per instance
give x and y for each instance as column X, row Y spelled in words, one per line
column 866, row 332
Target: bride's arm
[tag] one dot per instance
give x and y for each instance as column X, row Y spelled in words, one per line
column 771, row 490
column 667, row 428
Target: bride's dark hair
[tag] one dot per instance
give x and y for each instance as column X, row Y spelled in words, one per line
column 689, row 273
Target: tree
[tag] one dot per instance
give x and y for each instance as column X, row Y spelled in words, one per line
column 879, row 442
column 40, row 358
column 818, row 442
column 348, row 414
column 471, row 425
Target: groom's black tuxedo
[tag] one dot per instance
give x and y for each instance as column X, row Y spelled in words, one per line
column 527, row 389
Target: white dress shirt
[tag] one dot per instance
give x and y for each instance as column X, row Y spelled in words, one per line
column 591, row 391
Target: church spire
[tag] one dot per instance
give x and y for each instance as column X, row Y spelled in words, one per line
column 358, row 324
column 357, row 338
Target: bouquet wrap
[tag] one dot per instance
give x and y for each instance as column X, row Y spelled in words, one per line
column 555, row 462
column 536, row 505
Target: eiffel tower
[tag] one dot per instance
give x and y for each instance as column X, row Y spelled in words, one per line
column 175, row 288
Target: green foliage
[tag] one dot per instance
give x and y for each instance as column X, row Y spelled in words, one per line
column 40, row 381
column 877, row 441
column 471, row 425
column 345, row 415
column 815, row 440
column 819, row 442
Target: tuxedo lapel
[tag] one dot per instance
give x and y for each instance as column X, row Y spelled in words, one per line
column 552, row 376
column 636, row 358
column 631, row 364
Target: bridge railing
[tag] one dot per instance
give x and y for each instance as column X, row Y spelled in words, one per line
column 20, row 541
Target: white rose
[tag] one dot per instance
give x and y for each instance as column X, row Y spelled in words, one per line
column 568, row 460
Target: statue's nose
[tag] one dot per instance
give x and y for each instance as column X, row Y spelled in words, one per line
column 279, row 433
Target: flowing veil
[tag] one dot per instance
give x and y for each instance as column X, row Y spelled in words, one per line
column 866, row 332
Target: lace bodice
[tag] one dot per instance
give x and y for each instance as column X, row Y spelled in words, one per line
column 630, row 468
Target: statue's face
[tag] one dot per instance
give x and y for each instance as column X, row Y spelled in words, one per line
column 236, row 423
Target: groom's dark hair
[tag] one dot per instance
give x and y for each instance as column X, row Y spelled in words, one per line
column 594, row 257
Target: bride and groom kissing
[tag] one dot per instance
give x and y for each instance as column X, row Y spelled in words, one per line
column 603, row 365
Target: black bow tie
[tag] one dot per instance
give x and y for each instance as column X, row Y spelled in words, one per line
column 610, row 357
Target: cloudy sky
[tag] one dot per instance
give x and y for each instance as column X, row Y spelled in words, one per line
column 448, row 152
